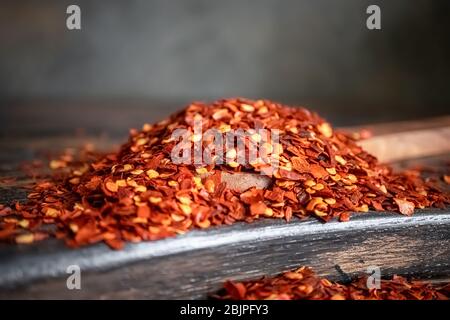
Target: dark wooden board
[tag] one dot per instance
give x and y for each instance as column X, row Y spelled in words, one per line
column 197, row 263
column 192, row 265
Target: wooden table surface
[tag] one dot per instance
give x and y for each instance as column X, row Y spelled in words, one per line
column 192, row 265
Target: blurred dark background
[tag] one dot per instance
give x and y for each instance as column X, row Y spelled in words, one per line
column 137, row 61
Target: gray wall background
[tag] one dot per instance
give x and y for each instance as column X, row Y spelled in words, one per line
column 313, row 52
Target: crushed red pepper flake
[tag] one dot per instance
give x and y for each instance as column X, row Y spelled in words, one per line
column 447, row 179
column 404, row 206
column 139, row 194
column 304, row 284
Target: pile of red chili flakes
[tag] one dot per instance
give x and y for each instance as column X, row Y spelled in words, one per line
column 303, row 284
column 138, row 193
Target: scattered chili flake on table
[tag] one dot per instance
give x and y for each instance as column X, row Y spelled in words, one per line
column 138, row 193
column 303, row 284
column 447, row 179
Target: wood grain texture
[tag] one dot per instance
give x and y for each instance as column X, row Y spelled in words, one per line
column 409, row 140
column 197, row 263
column 192, row 265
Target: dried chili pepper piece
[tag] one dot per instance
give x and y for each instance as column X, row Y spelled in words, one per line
column 139, row 193
column 405, row 207
column 303, row 284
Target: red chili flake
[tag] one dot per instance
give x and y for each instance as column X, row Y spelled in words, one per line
column 447, row 179
column 5, row 181
column 138, row 193
column 405, row 207
column 258, row 208
column 303, row 284
column 4, row 210
column 7, row 231
column 344, row 217
column 237, row 289
column 318, row 171
column 115, row 243
column 300, row 164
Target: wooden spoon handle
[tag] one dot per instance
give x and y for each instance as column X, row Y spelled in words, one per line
column 408, row 145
